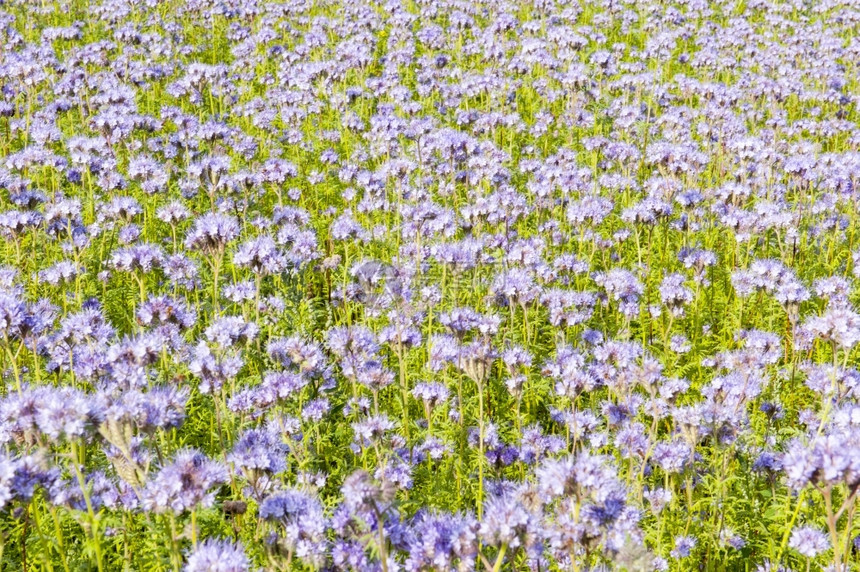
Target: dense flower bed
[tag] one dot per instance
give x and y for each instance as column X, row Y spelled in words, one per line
column 429, row 285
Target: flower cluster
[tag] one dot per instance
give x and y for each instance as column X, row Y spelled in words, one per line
column 429, row 286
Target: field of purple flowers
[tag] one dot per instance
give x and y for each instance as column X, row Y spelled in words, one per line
column 429, row 285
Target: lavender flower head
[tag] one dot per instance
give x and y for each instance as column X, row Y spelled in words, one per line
column 217, row 555
column 211, row 233
column 809, row 541
column 299, row 523
column 184, row 484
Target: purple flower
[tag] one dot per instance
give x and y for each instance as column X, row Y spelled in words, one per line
column 345, row 227
column 57, row 413
column 582, row 476
column 239, row 292
column 217, row 555
column 214, row 369
column 623, row 287
column 631, row 440
column 173, row 213
column 507, row 521
column 730, row 539
column 828, row 459
column 432, row 394
column 442, row 542
column 277, row 387
column 684, row 546
column 211, row 233
column 181, row 271
column 372, row 430
column 159, row 408
column 674, row 295
column 839, row 325
column 259, row 450
column 515, row 286
column 261, row 255
column 300, row 524
column 229, row 331
column 60, row 273
column 184, row 484
column 8, row 468
column 444, row 350
column 101, row 493
column 315, row 410
column 809, row 541
column 142, row 257
column 161, row 310
column 361, row 494
column 672, row 456
column 13, row 315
